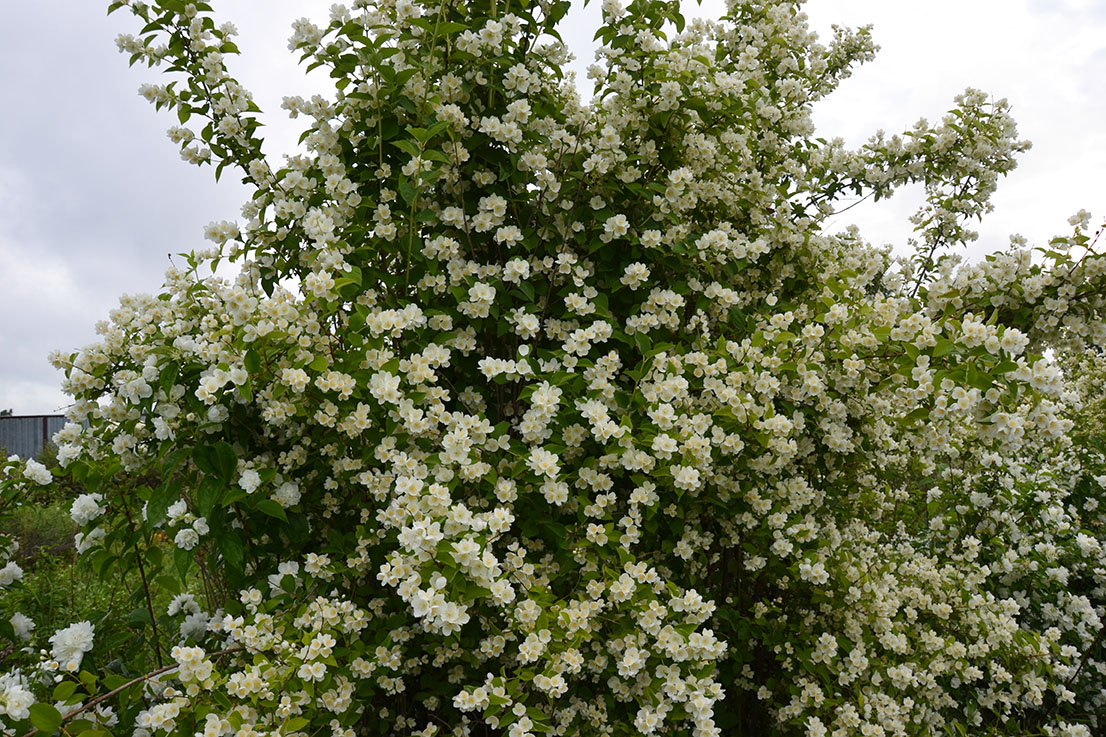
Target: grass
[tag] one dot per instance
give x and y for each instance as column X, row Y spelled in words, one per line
column 56, row 590
column 59, row 588
column 42, row 531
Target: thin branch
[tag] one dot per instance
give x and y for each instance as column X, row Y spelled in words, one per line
column 835, row 213
column 145, row 585
column 140, row 679
column 1086, row 655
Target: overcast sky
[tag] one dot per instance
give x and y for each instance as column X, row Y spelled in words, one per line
column 93, row 196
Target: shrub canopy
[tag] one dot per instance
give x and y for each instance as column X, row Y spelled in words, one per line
column 528, row 415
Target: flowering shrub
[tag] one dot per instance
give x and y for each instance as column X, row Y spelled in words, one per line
column 527, row 415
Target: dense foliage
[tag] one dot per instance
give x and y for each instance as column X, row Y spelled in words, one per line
column 532, row 415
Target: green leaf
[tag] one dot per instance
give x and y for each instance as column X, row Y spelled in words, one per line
column 389, row 127
column 64, row 690
column 434, row 130
column 319, row 363
column 45, row 717
column 978, row 379
column 204, row 458
column 79, row 727
column 354, row 274
column 407, row 147
column 449, row 27
column 169, row 376
column 89, row 680
column 159, row 503
column 226, row 460
column 252, row 361
column 273, row 509
column 138, row 616
column 182, row 560
column 407, row 191
column 401, row 79
column 207, row 495
column 173, row 459
column 921, row 413
column 232, row 550
column 169, row 583
column 435, row 155
column 943, row 347
column 298, row 529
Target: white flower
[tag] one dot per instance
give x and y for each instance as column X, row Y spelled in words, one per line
column 67, row 452
column 182, row 602
column 542, row 462
column 193, row 625
column 37, row 472
column 685, row 477
column 249, row 481
column 177, row 510
column 312, row 671
column 22, row 625
column 85, row 542
column 10, row 573
column 71, row 643
column 15, row 699
column 86, row 508
column 635, row 275
column 288, row 568
column 287, row 494
column 186, row 539
column 615, row 227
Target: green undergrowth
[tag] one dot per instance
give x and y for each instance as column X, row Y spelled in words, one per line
column 60, row 587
